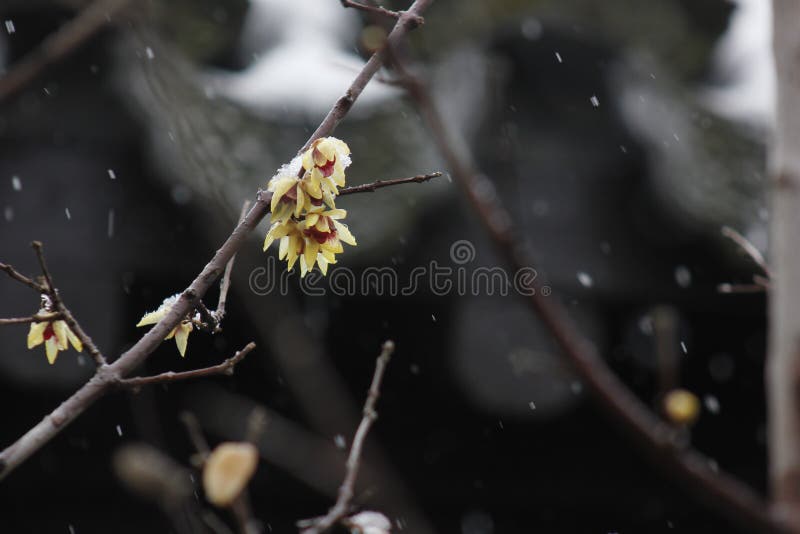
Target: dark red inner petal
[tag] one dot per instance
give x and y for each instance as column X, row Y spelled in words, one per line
column 327, row 169
column 319, row 236
column 48, row 331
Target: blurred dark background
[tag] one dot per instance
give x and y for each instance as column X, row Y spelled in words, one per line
column 620, row 135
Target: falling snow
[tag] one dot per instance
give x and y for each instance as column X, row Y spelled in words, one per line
column 119, row 430
column 558, row 57
column 10, row 27
column 8, row 213
column 111, row 223
column 339, row 441
column 112, row 174
column 68, row 214
column 683, row 347
column 585, row 279
column 149, row 52
column 595, row 101
column 683, row 276
column 711, row 403
column 16, row 183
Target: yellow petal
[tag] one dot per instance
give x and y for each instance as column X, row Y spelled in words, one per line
column 152, row 317
column 334, row 245
column 75, row 340
column 343, row 233
column 338, row 175
column 36, row 334
column 336, row 213
column 308, row 161
column 340, row 146
column 182, row 336
column 60, row 330
column 303, row 267
column 329, row 255
column 313, row 184
column 323, row 263
column 171, row 333
column 51, row 349
column 283, row 248
column 279, row 188
column 310, row 253
column 301, row 201
column 292, row 254
column 282, row 213
column 311, row 220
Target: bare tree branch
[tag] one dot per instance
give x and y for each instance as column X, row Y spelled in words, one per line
column 225, row 283
column 734, row 500
column 377, row 10
column 58, row 45
column 106, row 376
column 374, row 186
column 21, row 278
column 748, row 247
column 60, row 307
column 347, row 489
column 38, row 318
column 783, row 356
column 226, row 367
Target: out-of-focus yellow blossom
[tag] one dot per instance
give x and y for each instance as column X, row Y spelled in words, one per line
column 681, row 406
column 314, row 240
column 227, row 471
column 55, row 335
column 307, row 229
column 180, row 332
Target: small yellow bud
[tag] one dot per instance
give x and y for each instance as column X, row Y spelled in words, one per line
column 227, row 471
column 681, row 406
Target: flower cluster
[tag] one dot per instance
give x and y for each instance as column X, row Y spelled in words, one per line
column 54, row 334
column 304, row 214
column 180, row 332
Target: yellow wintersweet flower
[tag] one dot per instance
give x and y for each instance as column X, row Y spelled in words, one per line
column 314, row 240
column 324, row 163
column 54, row 335
column 180, row 332
column 309, row 179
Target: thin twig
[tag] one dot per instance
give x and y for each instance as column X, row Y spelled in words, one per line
column 225, row 283
column 226, row 367
column 729, row 496
column 106, row 377
column 21, row 278
column 377, row 10
column 38, row 318
column 741, row 288
column 60, row 307
column 347, row 489
column 407, row 21
column 748, row 247
column 59, row 44
column 208, row 320
column 374, row 186
column 195, row 433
